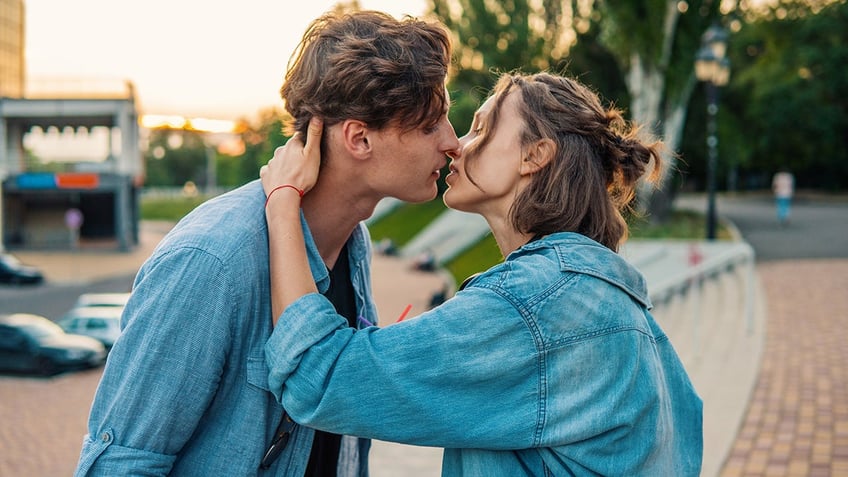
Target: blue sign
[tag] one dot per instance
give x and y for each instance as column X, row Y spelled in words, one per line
column 36, row 180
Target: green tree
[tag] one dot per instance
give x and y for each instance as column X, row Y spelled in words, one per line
column 492, row 37
column 790, row 93
column 654, row 43
column 175, row 157
column 260, row 138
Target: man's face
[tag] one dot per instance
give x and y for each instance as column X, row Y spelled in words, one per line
column 409, row 161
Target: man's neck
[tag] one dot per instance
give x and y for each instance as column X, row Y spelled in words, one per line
column 333, row 210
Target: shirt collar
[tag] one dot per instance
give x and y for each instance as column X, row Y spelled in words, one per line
column 357, row 248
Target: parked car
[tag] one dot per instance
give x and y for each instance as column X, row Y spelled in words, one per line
column 15, row 272
column 32, row 343
column 102, row 299
column 102, row 323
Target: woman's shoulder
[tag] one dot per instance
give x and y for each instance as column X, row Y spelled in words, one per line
column 520, row 276
column 577, row 254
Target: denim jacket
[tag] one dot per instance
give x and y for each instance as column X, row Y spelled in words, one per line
column 185, row 388
column 547, row 364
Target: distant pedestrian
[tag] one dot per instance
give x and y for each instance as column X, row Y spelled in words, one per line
column 783, row 186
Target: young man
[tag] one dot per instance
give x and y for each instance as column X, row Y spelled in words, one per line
column 185, row 390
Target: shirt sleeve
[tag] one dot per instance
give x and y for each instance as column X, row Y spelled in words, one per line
column 440, row 379
column 164, row 369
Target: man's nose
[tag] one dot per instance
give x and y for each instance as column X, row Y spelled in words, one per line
column 456, row 152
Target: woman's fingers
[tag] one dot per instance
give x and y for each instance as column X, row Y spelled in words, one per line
column 295, row 163
column 313, row 138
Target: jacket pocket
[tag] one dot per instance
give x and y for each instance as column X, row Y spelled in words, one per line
column 257, row 373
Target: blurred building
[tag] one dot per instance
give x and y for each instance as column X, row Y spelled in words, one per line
column 12, row 65
column 70, row 162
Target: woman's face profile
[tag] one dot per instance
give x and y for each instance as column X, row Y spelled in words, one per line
column 485, row 172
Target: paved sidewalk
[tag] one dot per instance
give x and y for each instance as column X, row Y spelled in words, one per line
column 797, row 419
column 95, row 262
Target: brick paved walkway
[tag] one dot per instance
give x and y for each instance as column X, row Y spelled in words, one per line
column 797, row 420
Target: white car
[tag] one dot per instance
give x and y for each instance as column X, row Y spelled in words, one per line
column 102, row 299
column 99, row 322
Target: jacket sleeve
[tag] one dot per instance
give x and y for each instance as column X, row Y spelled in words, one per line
column 465, row 374
column 164, row 369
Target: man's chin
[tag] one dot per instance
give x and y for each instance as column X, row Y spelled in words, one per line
column 421, row 196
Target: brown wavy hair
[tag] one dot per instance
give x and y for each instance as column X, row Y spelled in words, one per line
column 598, row 160
column 368, row 66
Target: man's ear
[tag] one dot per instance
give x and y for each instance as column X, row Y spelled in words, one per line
column 356, row 136
column 537, row 156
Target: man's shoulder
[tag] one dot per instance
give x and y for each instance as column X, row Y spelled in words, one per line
column 223, row 226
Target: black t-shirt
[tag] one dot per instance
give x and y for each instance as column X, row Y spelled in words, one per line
column 324, row 458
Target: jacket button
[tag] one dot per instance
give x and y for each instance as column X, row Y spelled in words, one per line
column 106, row 438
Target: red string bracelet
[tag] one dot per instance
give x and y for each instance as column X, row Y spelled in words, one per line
column 284, row 186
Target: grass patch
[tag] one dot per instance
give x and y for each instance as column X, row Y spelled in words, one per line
column 169, row 208
column 682, row 225
column 406, row 221
column 479, row 257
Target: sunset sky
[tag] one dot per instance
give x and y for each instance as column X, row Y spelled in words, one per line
column 197, row 58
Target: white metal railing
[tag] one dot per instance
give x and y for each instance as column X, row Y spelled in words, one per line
column 711, row 265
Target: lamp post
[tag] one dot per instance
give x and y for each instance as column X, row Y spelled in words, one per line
column 713, row 68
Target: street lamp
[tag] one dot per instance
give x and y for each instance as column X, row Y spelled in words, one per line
column 713, row 68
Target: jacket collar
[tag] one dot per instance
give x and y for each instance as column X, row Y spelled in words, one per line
column 580, row 254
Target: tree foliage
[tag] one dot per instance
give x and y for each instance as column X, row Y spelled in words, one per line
column 175, row 157
column 260, row 138
column 498, row 36
column 784, row 105
column 649, row 44
column 172, row 163
column 786, row 102
column 797, row 92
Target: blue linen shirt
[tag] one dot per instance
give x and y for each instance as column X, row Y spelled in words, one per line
column 547, row 364
column 185, row 389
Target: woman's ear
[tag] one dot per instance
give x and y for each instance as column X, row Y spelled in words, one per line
column 537, row 156
column 355, row 134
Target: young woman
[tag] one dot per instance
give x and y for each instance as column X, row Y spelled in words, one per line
column 546, row 364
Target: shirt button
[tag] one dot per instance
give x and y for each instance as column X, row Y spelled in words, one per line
column 106, row 438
